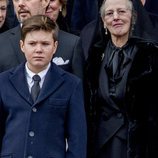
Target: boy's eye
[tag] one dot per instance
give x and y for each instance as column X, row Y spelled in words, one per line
column 44, row 43
column 32, row 43
column 3, row 8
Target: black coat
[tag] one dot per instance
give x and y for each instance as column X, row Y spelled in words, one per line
column 137, row 119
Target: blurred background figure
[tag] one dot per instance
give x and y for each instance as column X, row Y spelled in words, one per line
column 56, row 11
column 143, row 2
column 69, row 7
column 68, row 53
column 11, row 19
column 11, row 54
column 8, row 18
column 152, row 8
column 3, row 13
column 81, row 13
column 73, row 15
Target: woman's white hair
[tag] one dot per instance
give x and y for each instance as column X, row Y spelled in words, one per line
column 102, row 8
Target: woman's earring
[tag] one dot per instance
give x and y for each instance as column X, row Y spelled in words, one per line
column 106, row 31
column 60, row 9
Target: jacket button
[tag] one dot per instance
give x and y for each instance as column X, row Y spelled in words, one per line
column 31, row 134
column 34, row 109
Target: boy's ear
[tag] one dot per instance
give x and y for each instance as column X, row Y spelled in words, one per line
column 55, row 46
column 21, row 45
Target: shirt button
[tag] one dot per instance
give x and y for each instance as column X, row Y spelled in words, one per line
column 31, row 134
column 34, row 109
column 30, row 156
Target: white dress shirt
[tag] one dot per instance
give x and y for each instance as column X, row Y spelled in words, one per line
column 30, row 74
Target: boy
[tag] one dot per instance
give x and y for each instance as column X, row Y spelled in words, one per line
column 39, row 126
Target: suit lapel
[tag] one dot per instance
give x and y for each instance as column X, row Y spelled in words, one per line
column 53, row 80
column 18, row 80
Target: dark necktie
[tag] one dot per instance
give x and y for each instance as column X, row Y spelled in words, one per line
column 36, row 87
column 117, row 62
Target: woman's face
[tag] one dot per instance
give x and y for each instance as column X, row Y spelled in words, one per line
column 53, row 9
column 117, row 17
column 3, row 11
column 143, row 1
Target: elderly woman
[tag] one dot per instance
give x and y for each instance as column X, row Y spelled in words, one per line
column 120, row 79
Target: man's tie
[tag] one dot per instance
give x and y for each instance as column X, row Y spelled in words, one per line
column 36, row 87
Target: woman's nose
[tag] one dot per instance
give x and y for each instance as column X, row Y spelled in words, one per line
column 115, row 15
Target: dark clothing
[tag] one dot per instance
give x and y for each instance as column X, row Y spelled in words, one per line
column 121, row 103
column 83, row 12
column 41, row 129
column 130, row 113
column 11, row 19
column 4, row 28
column 11, row 54
column 151, row 6
column 69, row 7
column 62, row 23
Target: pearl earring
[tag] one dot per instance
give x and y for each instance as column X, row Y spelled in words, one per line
column 106, row 31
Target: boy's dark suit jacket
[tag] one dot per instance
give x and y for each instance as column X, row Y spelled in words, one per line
column 39, row 129
column 11, row 55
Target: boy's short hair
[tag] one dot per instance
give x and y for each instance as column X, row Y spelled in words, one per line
column 39, row 22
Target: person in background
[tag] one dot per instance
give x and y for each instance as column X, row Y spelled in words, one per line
column 48, row 118
column 121, row 67
column 68, row 52
column 143, row 1
column 11, row 19
column 152, row 7
column 82, row 12
column 3, row 13
column 69, row 6
column 8, row 18
column 57, row 11
column 10, row 52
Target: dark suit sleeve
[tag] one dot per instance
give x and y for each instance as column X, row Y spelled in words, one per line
column 78, row 61
column 1, row 123
column 76, row 125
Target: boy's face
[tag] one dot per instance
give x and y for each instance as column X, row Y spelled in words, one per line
column 38, row 47
column 27, row 8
